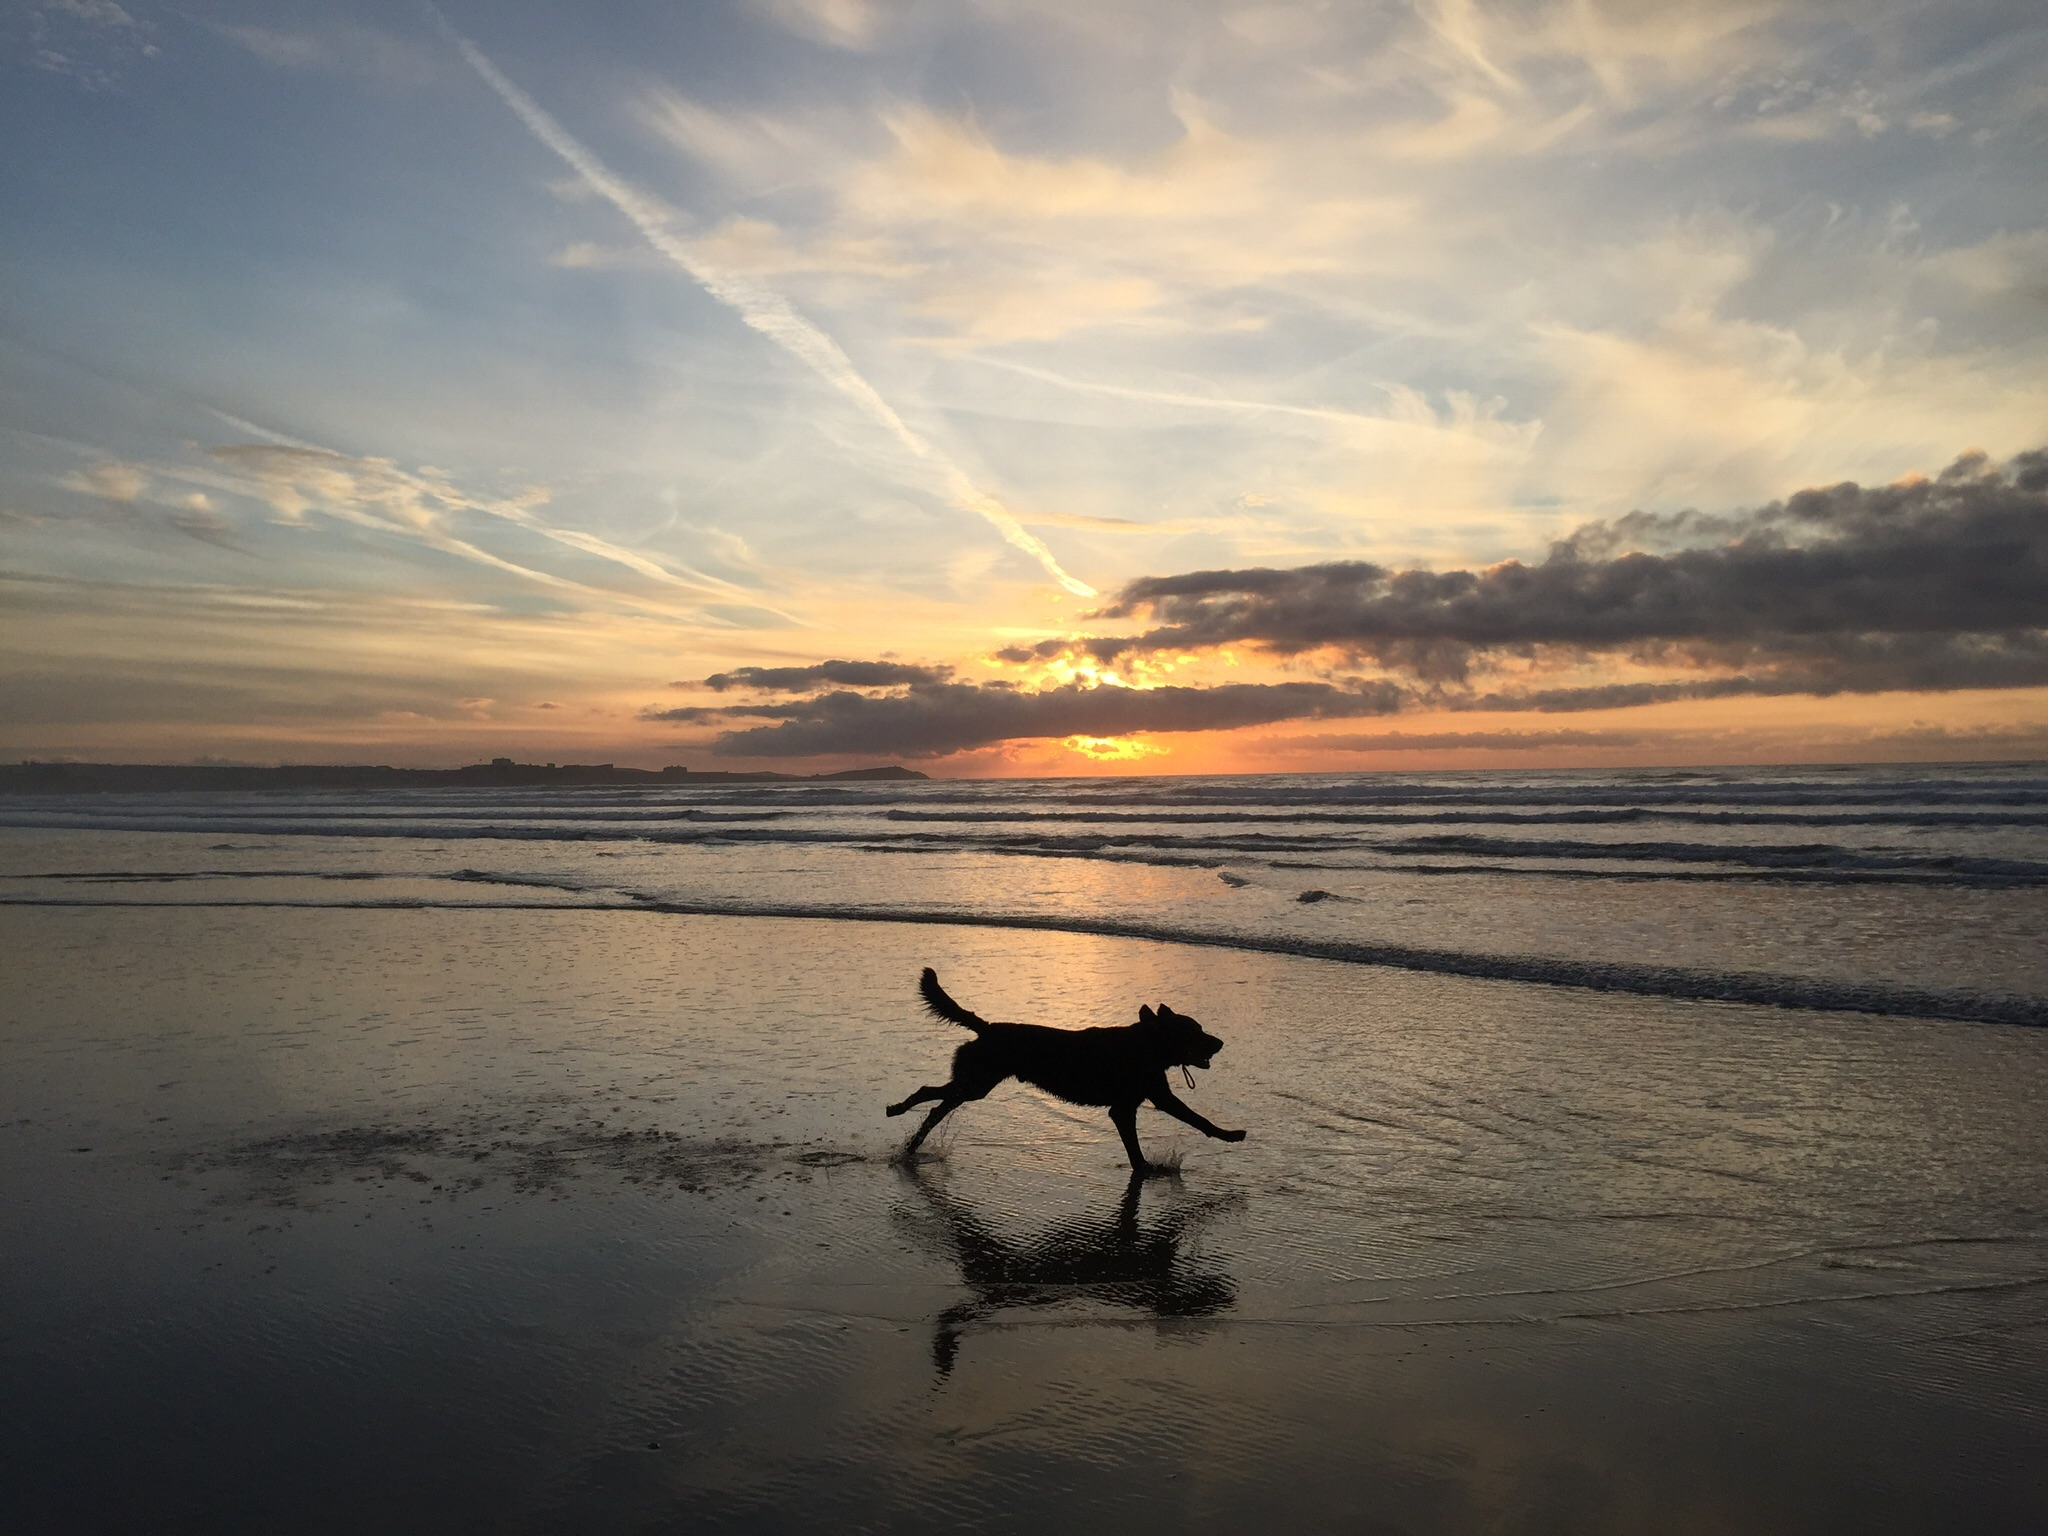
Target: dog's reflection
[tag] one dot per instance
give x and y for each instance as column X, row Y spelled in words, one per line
column 1115, row 1260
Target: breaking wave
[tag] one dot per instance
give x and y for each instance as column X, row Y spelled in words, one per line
column 1779, row 991
column 1862, row 889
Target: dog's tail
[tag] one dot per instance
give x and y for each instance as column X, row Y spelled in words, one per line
column 935, row 999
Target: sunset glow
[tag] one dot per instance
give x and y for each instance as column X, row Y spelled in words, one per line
column 1110, row 749
column 1246, row 378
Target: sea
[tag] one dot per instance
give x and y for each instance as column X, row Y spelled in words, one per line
column 1918, row 891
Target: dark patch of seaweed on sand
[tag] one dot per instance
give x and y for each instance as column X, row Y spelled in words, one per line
column 301, row 1169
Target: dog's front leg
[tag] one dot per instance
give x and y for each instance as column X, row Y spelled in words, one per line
column 1164, row 1098
column 1125, row 1118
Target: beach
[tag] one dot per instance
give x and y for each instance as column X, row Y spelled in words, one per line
column 615, row 614
column 424, row 1218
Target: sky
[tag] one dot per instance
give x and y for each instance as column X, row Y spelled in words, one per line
column 1024, row 388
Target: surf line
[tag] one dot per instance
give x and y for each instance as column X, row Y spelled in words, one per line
column 1757, row 989
column 761, row 308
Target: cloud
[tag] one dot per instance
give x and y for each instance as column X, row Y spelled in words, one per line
column 744, row 146
column 124, row 489
column 850, row 24
column 376, row 493
column 2004, row 264
column 1345, row 194
column 766, row 311
column 1815, row 666
column 1923, row 584
column 941, row 718
column 1993, row 741
column 158, row 669
column 1407, row 409
column 1439, row 741
column 1111, row 749
column 1277, row 227
column 339, row 48
column 287, row 50
column 111, row 479
column 1212, row 211
column 989, row 244
column 842, row 674
column 195, row 517
column 91, row 42
column 1100, row 524
column 589, row 256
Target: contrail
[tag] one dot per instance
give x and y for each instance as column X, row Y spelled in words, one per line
column 1174, row 397
column 762, row 308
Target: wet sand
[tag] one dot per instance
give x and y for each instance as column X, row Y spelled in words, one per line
column 494, row 1220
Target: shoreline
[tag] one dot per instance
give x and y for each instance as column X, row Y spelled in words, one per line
column 1790, row 993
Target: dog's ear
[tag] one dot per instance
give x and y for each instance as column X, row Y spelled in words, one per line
column 1144, row 1014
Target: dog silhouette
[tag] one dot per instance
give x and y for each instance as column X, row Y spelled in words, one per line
column 1118, row 1068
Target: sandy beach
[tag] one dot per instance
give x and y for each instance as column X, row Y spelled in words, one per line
column 445, row 1220
column 590, row 592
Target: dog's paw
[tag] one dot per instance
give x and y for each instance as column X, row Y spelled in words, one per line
column 1230, row 1135
column 894, row 1110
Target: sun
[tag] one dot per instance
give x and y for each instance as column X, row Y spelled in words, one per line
column 1112, row 749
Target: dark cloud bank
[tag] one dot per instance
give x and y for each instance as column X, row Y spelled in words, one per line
column 1927, row 585
column 841, row 674
column 933, row 719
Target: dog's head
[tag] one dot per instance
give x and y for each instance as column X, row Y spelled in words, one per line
column 1177, row 1039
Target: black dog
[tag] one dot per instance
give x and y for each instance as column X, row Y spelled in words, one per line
column 1119, row 1068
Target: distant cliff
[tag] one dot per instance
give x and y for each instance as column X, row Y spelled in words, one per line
column 501, row 772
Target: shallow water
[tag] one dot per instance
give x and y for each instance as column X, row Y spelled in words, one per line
column 560, row 1219
column 1901, row 890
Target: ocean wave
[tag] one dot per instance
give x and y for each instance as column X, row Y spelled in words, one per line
column 1803, row 993
column 1829, row 856
column 1295, row 848
column 1610, row 790
column 1592, row 817
column 1682, row 793
column 1288, row 846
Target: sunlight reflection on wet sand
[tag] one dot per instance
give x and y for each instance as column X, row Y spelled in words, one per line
column 507, row 1220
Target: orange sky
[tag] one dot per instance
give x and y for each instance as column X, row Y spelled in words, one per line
column 492, row 391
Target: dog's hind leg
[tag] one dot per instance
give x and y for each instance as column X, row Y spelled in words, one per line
column 947, row 1104
column 975, row 1076
column 923, row 1095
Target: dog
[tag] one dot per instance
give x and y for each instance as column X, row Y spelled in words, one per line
column 1117, row 1068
